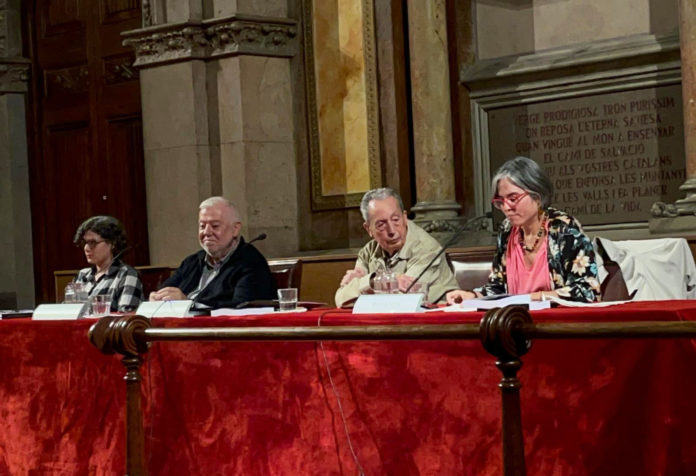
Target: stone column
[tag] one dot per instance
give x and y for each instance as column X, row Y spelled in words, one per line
column 678, row 217
column 687, row 40
column 215, row 85
column 432, row 120
column 16, row 255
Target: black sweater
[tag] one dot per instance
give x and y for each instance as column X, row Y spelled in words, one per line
column 244, row 277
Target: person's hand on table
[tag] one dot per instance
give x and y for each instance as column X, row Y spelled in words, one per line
column 543, row 295
column 352, row 274
column 169, row 293
column 455, row 297
column 404, row 282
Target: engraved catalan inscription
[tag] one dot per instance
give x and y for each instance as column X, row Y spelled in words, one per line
column 610, row 156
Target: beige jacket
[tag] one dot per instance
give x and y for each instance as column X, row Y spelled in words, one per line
column 418, row 250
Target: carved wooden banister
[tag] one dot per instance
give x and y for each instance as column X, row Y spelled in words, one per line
column 506, row 333
column 125, row 336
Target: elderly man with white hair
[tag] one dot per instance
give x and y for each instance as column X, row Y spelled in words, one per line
column 227, row 271
column 397, row 245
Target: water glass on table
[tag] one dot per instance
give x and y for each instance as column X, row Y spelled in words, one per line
column 100, row 305
column 385, row 282
column 287, row 299
column 75, row 292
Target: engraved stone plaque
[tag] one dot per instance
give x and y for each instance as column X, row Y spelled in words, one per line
column 610, row 156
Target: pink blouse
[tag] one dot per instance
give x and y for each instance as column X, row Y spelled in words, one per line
column 523, row 280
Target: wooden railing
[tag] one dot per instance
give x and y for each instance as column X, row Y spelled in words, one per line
column 505, row 333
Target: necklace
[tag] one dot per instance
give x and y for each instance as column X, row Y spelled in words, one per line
column 539, row 234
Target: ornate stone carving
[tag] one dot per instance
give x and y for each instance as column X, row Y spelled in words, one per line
column 147, row 13
column 182, row 41
column 664, row 210
column 14, row 75
column 72, row 80
column 214, row 38
column 269, row 38
column 119, row 69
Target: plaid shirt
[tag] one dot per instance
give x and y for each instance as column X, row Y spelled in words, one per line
column 121, row 280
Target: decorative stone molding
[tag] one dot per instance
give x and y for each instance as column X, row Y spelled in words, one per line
column 167, row 43
column 14, row 75
column 215, row 38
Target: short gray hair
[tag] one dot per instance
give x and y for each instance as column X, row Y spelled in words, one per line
column 526, row 174
column 213, row 201
column 378, row 194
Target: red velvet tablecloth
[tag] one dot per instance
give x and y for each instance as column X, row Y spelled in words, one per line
column 600, row 407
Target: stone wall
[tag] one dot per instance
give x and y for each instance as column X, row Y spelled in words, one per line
column 533, row 25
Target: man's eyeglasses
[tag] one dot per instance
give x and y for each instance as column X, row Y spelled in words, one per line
column 90, row 243
column 510, row 200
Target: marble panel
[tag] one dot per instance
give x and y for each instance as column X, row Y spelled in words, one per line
column 266, row 99
column 183, row 10
column 515, row 19
column 558, row 24
column 267, row 174
column 229, row 91
column 174, row 104
column 176, row 184
column 339, row 66
column 255, row 99
column 233, row 176
column 537, row 25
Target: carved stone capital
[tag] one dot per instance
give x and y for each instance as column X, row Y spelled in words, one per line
column 215, row 38
column 252, row 35
column 14, row 75
column 167, row 43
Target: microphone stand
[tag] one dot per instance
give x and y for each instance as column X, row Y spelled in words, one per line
column 449, row 243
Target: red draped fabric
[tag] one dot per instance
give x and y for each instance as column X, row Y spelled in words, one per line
column 593, row 407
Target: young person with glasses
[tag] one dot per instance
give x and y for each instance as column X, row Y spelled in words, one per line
column 540, row 250
column 103, row 241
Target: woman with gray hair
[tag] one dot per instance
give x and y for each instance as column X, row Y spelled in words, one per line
column 541, row 251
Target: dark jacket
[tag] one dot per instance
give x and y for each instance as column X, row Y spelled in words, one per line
column 244, row 277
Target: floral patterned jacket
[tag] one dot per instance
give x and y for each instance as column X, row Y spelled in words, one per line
column 571, row 258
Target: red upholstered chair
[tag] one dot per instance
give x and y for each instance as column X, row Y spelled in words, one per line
column 152, row 278
column 287, row 273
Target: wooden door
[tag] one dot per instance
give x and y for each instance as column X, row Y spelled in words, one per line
column 86, row 155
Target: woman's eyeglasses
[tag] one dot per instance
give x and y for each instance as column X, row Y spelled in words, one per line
column 510, row 200
column 90, row 243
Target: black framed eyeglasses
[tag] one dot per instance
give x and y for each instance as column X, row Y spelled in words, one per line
column 90, row 243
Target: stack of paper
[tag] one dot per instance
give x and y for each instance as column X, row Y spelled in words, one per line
column 501, row 300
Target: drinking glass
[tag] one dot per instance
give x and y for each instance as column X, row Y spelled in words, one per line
column 69, row 295
column 287, row 299
column 100, row 305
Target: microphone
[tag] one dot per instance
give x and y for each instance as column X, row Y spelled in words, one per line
column 194, row 301
column 259, row 237
column 449, row 243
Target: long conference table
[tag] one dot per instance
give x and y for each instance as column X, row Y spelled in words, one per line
column 589, row 407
